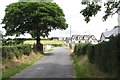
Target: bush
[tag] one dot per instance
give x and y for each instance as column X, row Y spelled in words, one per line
column 27, row 49
column 18, row 50
column 15, row 41
column 57, row 45
column 90, row 53
column 10, row 42
column 101, row 55
column 106, row 55
column 80, row 48
column 8, row 51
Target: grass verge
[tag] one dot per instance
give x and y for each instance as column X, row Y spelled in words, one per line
column 80, row 72
column 83, row 69
column 9, row 72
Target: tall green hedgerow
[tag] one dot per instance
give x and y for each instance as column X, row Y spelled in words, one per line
column 18, row 50
column 106, row 55
column 90, row 53
column 80, row 48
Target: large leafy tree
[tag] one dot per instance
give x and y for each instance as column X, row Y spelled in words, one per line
column 36, row 18
column 93, row 7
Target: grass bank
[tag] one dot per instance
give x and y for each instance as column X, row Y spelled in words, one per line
column 83, row 69
column 13, row 66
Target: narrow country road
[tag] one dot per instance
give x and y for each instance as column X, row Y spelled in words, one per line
column 56, row 64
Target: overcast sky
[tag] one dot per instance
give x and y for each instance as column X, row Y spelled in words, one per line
column 71, row 9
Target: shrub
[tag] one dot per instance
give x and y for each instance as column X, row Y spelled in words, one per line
column 106, row 55
column 90, row 53
column 101, row 55
column 4, row 41
column 84, row 48
column 10, row 42
column 26, row 49
column 57, row 45
column 8, row 51
column 18, row 50
column 77, row 49
column 80, row 48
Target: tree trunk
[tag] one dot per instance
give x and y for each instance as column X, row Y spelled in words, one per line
column 38, row 40
column 38, row 46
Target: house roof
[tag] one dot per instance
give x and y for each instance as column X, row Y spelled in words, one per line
column 83, row 37
column 113, row 32
column 87, row 36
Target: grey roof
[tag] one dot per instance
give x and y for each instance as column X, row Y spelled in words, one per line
column 83, row 37
column 113, row 32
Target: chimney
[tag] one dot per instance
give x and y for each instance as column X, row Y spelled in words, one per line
column 106, row 30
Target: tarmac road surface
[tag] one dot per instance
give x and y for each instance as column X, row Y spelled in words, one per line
column 56, row 64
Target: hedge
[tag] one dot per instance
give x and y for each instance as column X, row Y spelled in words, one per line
column 18, row 50
column 80, row 48
column 56, row 45
column 106, row 55
column 90, row 53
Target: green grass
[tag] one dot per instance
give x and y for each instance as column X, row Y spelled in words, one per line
column 80, row 72
column 7, row 73
column 44, row 42
column 83, row 69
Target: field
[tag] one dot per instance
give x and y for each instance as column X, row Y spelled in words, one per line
column 44, row 42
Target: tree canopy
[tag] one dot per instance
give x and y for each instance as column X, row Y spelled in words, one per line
column 94, row 7
column 35, row 18
column 31, row 17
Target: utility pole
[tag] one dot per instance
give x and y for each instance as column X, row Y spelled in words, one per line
column 70, row 35
column 70, row 30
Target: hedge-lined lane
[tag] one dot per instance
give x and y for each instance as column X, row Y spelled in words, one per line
column 106, row 55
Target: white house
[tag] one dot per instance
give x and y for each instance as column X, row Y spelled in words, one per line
column 84, row 39
column 115, row 31
column 105, row 35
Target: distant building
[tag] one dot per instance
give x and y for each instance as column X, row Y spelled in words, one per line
column 84, row 39
column 68, row 40
column 106, row 35
column 115, row 31
column 62, row 38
